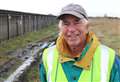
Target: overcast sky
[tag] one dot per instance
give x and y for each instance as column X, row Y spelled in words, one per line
column 92, row 7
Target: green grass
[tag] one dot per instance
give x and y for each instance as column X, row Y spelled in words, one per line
column 22, row 41
column 4, row 59
column 32, row 75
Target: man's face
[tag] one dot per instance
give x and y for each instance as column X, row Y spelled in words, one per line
column 74, row 30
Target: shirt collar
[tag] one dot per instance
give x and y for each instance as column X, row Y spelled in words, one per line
column 88, row 56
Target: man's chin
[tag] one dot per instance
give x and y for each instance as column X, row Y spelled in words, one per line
column 73, row 44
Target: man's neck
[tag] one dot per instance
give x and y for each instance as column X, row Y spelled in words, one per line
column 76, row 50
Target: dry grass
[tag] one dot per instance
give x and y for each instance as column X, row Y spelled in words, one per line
column 108, row 30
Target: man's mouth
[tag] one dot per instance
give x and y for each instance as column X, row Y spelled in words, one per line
column 73, row 35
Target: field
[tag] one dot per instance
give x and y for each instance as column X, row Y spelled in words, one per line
column 108, row 31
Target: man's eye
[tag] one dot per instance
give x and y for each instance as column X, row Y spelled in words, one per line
column 65, row 23
column 77, row 22
column 81, row 21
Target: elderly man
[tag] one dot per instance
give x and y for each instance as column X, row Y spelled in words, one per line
column 78, row 56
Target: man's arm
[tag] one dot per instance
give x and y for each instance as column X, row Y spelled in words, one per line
column 42, row 73
column 115, row 73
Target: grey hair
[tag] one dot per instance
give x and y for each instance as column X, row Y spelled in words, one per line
column 85, row 21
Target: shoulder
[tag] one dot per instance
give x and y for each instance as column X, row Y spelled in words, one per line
column 51, row 48
column 105, row 47
column 48, row 51
column 108, row 49
column 117, row 57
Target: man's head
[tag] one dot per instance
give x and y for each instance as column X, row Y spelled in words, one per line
column 75, row 10
column 73, row 24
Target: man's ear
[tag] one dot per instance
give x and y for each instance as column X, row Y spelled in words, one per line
column 60, row 26
column 87, row 25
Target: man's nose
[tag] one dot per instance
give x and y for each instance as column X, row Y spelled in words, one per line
column 71, row 28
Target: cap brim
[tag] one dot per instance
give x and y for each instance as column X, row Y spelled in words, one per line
column 78, row 15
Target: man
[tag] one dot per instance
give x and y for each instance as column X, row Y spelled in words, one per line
column 78, row 56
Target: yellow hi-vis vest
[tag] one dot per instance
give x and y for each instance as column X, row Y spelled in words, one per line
column 100, row 66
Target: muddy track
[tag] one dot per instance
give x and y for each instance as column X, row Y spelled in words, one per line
column 24, row 55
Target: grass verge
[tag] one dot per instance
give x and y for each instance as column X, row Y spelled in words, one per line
column 22, row 41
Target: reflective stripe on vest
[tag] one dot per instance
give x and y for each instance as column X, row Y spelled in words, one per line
column 99, row 71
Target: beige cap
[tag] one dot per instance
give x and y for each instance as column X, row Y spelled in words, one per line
column 73, row 9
